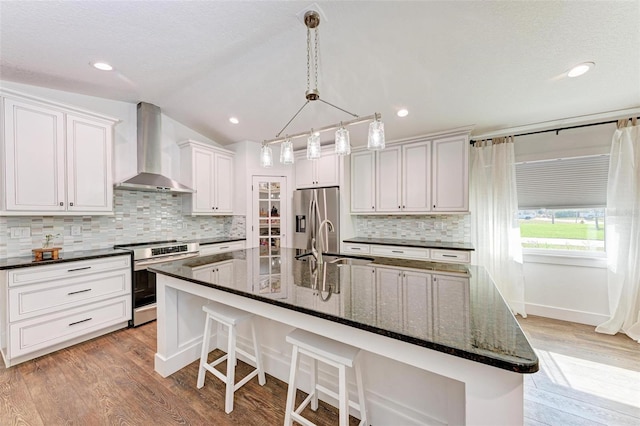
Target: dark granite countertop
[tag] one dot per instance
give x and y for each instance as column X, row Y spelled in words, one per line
column 411, row 243
column 454, row 309
column 217, row 240
column 71, row 256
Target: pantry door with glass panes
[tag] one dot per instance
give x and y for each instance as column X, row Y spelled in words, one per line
column 269, row 228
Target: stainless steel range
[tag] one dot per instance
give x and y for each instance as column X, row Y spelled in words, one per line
column 144, row 282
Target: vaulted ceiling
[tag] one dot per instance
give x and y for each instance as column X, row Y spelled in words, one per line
column 491, row 64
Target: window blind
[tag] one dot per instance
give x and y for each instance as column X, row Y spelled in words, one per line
column 563, row 183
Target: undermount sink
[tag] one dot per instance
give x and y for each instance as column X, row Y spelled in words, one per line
column 337, row 259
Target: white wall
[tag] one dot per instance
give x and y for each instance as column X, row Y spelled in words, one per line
column 562, row 287
column 125, row 153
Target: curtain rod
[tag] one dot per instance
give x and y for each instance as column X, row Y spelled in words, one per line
column 555, row 130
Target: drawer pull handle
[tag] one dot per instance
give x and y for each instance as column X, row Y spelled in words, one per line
column 78, row 322
column 225, row 247
column 78, row 269
column 355, row 248
column 397, row 251
column 449, row 255
column 79, row 291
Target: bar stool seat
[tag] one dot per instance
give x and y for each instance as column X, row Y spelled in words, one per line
column 229, row 317
column 330, row 352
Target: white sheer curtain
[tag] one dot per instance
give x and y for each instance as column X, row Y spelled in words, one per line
column 623, row 232
column 494, row 217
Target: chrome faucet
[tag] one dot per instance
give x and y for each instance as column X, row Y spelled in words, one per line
column 318, row 253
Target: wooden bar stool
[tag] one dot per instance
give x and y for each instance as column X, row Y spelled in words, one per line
column 332, row 353
column 229, row 317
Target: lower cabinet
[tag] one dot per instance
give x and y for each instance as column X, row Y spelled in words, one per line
column 405, row 252
column 54, row 306
column 208, row 249
column 219, row 272
column 421, row 304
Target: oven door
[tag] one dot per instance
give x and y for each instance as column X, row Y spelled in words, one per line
column 144, row 288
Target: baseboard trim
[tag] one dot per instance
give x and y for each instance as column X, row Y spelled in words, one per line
column 580, row 317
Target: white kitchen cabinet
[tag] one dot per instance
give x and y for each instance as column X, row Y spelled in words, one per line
column 405, row 252
column 363, row 176
column 57, row 161
column 324, row 171
column 362, row 300
column 50, row 307
column 401, row 252
column 209, row 249
column 215, row 273
column 430, row 175
column 388, row 180
column 417, row 303
column 451, row 174
column 389, row 298
column 450, row 305
column 207, row 170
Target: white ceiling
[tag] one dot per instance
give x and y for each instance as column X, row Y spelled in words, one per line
column 493, row 65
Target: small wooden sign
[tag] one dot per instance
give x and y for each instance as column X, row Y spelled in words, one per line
column 39, row 253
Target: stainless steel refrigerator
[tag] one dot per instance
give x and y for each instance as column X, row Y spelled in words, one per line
column 310, row 208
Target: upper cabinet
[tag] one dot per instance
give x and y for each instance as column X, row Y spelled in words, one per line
column 324, row 171
column 56, row 160
column 207, row 170
column 427, row 176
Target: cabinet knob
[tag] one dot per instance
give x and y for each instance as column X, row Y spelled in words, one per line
column 398, row 207
column 61, row 203
column 403, row 207
column 372, row 207
column 434, row 206
column 71, row 204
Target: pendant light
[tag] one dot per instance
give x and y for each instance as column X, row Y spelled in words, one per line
column 266, row 156
column 313, row 146
column 376, row 135
column 343, row 147
column 286, row 152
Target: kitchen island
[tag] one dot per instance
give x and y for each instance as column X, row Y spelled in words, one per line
column 441, row 346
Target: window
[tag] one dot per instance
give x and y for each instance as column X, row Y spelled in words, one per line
column 567, row 229
column 562, row 204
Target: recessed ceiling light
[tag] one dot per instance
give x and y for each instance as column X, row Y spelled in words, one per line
column 102, row 66
column 402, row 113
column 580, row 69
column 234, row 120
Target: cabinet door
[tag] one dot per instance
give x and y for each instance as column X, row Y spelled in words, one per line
column 326, row 170
column 451, row 174
column 89, row 178
column 416, row 298
column 388, row 178
column 451, row 307
column 224, row 273
column 34, row 157
column 363, row 182
column 223, row 190
column 203, row 178
column 389, row 299
column 305, row 172
column 363, row 294
column 416, row 177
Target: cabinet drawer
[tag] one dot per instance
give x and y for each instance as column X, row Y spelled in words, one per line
column 58, row 271
column 44, row 298
column 39, row 333
column 356, row 248
column 451, row 255
column 221, row 248
column 400, row 252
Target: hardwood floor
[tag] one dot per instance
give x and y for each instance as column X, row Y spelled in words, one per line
column 585, row 379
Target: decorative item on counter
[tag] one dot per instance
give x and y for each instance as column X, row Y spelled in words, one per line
column 46, row 248
column 48, row 240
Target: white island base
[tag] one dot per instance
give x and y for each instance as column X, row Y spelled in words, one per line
column 405, row 384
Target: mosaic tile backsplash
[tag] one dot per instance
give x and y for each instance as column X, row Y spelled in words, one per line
column 138, row 217
column 446, row 228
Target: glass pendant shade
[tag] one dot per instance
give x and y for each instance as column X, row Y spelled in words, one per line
column 376, row 135
column 313, row 146
column 343, row 147
column 286, row 152
column 266, row 156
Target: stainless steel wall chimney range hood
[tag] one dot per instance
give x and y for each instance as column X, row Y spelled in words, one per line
column 149, row 177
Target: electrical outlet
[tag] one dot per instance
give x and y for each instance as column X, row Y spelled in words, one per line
column 26, row 232
column 76, row 230
column 16, row 232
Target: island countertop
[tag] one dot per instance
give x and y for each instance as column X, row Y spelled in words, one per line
column 455, row 309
